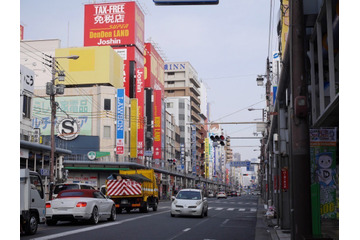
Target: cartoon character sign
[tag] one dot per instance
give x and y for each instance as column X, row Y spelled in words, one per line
column 325, row 171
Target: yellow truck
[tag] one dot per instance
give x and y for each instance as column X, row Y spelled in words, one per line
column 131, row 189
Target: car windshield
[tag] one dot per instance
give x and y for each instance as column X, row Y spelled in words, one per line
column 189, row 195
column 71, row 194
column 63, row 187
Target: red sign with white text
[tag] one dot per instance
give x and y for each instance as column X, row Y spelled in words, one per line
column 157, row 125
column 114, row 24
column 284, row 179
column 141, row 121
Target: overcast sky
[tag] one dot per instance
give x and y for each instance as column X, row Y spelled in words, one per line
column 227, row 44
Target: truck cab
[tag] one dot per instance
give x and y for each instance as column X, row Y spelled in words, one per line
column 32, row 201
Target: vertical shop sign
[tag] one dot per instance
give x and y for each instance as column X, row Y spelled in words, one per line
column 207, row 152
column 133, row 128
column 193, row 148
column 157, row 125
column 182, row 155
column 284, row 179
column 324, row 169
column 120, row 118
column 140, row 98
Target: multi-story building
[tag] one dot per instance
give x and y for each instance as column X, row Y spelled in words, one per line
column 181, row 79
column 180, row 108
column 169, row 138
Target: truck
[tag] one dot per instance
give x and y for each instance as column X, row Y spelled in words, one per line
column 32, row 201
column 133, row 189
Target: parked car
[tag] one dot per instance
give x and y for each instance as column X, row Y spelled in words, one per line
column 80, row 204
column 221, row 195
column 68, row 186
column 189, row 202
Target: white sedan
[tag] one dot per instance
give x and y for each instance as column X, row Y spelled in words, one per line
column 80, row 204
column 189, row 202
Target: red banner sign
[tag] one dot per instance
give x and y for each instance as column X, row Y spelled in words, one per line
column 157, row 125
column 284, row 179
column 115, row 24
column 141, row 121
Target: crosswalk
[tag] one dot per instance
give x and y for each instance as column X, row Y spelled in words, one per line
column 233, row 209
column 242, row 203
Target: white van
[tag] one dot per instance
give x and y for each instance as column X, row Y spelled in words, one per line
column 69, row 186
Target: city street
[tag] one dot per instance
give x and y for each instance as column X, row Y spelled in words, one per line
column 231, row 218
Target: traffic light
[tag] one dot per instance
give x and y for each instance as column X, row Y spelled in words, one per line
column 217, row 138
column 172, row 161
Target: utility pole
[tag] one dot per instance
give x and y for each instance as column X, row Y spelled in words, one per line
column 300, row 200
column 52, row 130
column 52, row 90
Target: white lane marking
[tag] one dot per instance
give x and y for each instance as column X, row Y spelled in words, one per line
column 210, row 208
column 253, row 210
column 226, row 220
column 241, row 209
column 63, row 234
column 186, row 229
column 218, row 208
column 230, row 209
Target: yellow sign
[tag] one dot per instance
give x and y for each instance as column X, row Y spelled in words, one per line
column 133, row 128
column 285, row 23
column 95, row 65
column 207, row 153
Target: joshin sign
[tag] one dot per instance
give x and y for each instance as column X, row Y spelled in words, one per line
column 114, row 24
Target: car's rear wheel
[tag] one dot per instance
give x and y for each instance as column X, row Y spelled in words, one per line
column 113, row 213
column 94, row 216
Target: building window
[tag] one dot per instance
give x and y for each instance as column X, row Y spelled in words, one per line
column 107, row 104
column 171, row 73
column 169, row 105
column 26, row 106
column 171, row 82
column 181, row 105
column 107, row 132
column 181, row 116
column 171, row 91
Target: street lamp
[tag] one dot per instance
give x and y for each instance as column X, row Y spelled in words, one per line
column 52, row 90
column 262, row 109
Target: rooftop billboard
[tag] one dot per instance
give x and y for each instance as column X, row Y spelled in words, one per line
column 95, row 65
column 114, row 24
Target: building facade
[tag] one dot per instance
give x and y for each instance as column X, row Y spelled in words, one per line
column 181, row 79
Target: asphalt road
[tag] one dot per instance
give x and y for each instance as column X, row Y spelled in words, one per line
column 231, row 218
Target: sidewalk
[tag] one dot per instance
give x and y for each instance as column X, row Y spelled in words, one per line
column 266, row 228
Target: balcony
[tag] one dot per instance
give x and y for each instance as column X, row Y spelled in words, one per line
column 196, row 108
column 193, row 80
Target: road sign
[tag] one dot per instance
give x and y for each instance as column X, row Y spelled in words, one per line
column 44, row 172
column 148, row 153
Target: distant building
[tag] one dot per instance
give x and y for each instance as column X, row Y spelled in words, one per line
column 181, row 79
